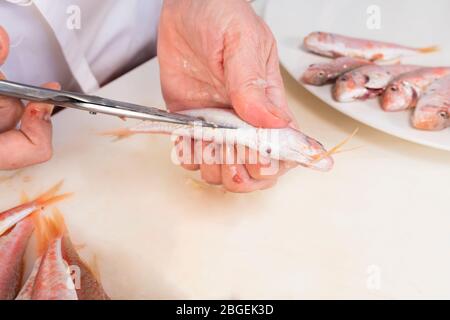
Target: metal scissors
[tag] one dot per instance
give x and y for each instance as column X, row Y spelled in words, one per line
column 95, row 104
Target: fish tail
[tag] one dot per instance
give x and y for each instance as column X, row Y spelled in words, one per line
column 429, row 49
column 53, row 200
column 50, row 192
column 50, row 197
column 49, row 228
column 118, row 134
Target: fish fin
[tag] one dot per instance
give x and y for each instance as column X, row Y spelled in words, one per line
column 122, row 118
column 118, row 134
column 79, row 247
column 53, row 200
column 336, row 148
column 49, row 197
column 57, row 223
column 49, row 229
column 429, row 49
column 50, row 192
column 42, row 236
column 93, row 267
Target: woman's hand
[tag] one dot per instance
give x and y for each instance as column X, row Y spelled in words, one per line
column 31, row 143
column 219, row 53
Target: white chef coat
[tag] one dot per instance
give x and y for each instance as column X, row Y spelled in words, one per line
column 82, row 44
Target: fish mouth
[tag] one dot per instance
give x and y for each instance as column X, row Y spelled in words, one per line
column 393, row 101
column 428, row 122
column 360, row 93
column 318, row 157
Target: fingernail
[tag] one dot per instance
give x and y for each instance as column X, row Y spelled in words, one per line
column 47, row 116
column 279, row 113
column 237, row 178
column 42, row 113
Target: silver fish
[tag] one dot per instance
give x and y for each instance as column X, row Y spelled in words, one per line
column 285, row 144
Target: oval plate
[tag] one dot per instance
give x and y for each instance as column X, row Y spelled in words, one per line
column 292, row 20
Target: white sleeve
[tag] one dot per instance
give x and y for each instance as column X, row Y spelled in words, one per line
column 97, row 40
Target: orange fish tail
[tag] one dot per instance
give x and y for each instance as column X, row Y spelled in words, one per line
column 118, row 134
column 429, row 49
column 53, row 200
column 50, row 193
column 48, row 229
column 50, row 197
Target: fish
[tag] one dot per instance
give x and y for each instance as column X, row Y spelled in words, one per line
column 287, row 144
column 323, row 73
column 17, row 226
column 433, row 109
column 405, row 90
column 12, row 250
column 10, row 217
column 59, row 273
column 335, row 45
column 367, row 82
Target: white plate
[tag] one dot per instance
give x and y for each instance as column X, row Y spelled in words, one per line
column 409, row 22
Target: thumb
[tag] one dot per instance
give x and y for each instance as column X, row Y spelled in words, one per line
column 247, row 87
column 4, row 45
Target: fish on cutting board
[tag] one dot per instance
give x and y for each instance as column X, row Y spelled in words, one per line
column 59, row 273
column 433, row 108
column 16, row 228
column 367, row 82
column 285, row 144
column 10, row 217
column 405, row 90
column 12, row 250
column 322, row 73
column 336, row 45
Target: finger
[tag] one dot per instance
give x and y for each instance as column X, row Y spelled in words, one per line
column 4, row 45
column 245, row 67
column 275, row 89
column 235, row 177
column 186, row 153
column 32, row 143
column 10, row 111
column 210, row 168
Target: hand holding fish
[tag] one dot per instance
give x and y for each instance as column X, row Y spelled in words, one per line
column 221, row 54
column 31, row 143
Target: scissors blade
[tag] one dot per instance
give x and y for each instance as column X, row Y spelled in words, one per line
column 96, row 104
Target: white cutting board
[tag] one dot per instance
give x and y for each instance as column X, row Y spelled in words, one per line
column 314, row 235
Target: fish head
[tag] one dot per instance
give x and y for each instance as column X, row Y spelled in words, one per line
column 315, row 39
column 398, row 96
column 433, row 118
column 350, row 87
column 306, row 151
column 315, row 75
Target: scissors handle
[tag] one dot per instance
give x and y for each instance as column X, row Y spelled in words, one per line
column 38, row 94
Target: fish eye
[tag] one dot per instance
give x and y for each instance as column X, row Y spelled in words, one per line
column 366, row 78
column 444, row 115
column 343, row 78
column 394, row 88
column 321, row 74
